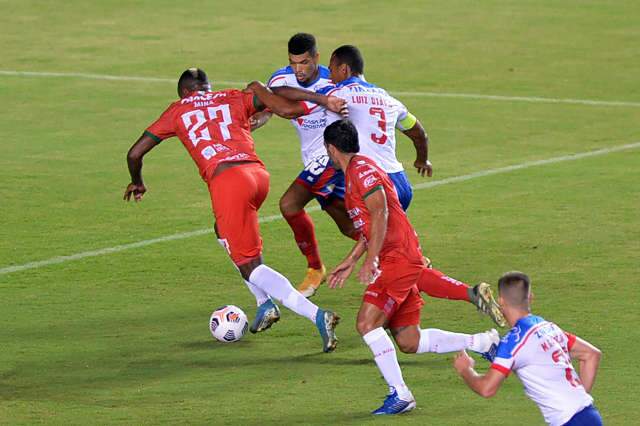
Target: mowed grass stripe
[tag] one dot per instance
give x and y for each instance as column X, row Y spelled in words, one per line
column 477, row 96
column 266, row 219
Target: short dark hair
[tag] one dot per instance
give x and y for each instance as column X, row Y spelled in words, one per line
column 515, row 286
column 193, row 79
column 343, row 135
column 301, row 43
column 351, row 56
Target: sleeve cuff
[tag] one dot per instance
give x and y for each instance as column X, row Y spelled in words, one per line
column 152, row 136
column 371, row 191
column 501, row 369
column 571, row 339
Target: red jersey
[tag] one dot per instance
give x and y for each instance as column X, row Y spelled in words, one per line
column 212, row 126
column 362, row 178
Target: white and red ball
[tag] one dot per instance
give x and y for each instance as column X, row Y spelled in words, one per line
column 228, row 324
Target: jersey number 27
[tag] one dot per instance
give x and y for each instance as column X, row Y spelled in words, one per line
column 195, row 123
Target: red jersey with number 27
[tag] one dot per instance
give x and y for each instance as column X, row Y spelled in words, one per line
column 362, row 179
column 212, row 126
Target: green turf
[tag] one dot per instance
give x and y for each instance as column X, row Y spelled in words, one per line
column 122, row 338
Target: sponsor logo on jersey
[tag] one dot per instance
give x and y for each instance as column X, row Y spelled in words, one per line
column 366, row 172
column 353, row 212
column 370, row 181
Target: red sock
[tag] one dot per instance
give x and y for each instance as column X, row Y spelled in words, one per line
column 438, row 285
column 305, row 235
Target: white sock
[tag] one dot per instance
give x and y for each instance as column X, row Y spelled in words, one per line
column 276, row 285
column 384, row 353
column 260, row 295
column 440, row 341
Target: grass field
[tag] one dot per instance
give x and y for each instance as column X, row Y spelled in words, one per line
column 122, row 337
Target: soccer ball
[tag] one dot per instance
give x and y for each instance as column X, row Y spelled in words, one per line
column 228, row 324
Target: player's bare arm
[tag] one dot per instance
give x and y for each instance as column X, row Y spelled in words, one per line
column 332, row 103
column 259, row 119
column 485, row 385
column 340, row 273
column 420, row 140
column 139, row 149
column 589, row 358
column 265, row 98
column 376, row 202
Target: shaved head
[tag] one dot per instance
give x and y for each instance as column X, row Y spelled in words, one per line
column 515, row 288
column 192, row 80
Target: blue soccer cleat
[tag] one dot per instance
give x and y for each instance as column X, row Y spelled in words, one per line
column 327, row 321
column 394, row 405
column 266, row 315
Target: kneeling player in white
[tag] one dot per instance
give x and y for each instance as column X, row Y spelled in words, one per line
column 540, row 354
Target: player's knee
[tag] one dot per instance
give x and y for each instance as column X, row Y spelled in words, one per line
column 407, row 346
column 364, row 326
column 288, row 206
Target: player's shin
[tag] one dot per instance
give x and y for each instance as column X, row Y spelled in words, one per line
column 305, row 236
column 260, row 295
column 276, row 285
column 440, row 341
column 438, row 285
column 384, row 354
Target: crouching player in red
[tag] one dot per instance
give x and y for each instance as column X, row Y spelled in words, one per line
column 214, row 128
column 391, row 270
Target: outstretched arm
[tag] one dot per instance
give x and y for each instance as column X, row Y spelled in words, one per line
column 143, row 145
column 259, row 119
column 265, row 98
column 332, row 103
column 420, row 140
column 589, row 358
column 485, row 385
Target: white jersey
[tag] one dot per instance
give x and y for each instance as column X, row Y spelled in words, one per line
column 376, row 114
column 310, row 127
column 538, row 352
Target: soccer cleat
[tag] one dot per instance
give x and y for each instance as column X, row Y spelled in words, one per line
column 327, row 321
column 267, row 314
column 484, row 301
column 394, row 405
column 485, row 343
column 313, row 280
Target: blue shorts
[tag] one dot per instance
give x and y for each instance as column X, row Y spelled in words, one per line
column 588, row 416
column 323, row 180
column 403, row 188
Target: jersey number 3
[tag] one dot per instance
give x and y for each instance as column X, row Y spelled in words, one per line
column 382, row 124
column 195, row 123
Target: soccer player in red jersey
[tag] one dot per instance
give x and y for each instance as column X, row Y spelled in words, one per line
column 391, row 270
column 214, row 128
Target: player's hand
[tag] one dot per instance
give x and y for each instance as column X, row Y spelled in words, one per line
column 136, row 190
column 340, row 273
column 369, row 271
column 463, row 362
column 423, row 167
column 253, row 85
column 338, row 105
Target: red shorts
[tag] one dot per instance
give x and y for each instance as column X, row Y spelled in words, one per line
column 396, row 294
column 236, row 195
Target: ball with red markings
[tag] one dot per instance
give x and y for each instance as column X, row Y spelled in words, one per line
column 228, row 324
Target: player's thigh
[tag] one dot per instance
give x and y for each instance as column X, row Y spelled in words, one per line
column 369, row 318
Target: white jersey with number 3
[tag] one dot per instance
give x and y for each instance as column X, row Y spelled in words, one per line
column 538, row 352
column 310, row 127
column 375, row 114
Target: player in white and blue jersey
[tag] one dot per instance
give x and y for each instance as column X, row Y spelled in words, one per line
column 540, row 353
column 318, row 179
column 376, row 115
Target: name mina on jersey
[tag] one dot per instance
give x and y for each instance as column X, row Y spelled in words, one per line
column 538, row 352
column 376, row 115
column 310, row 127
